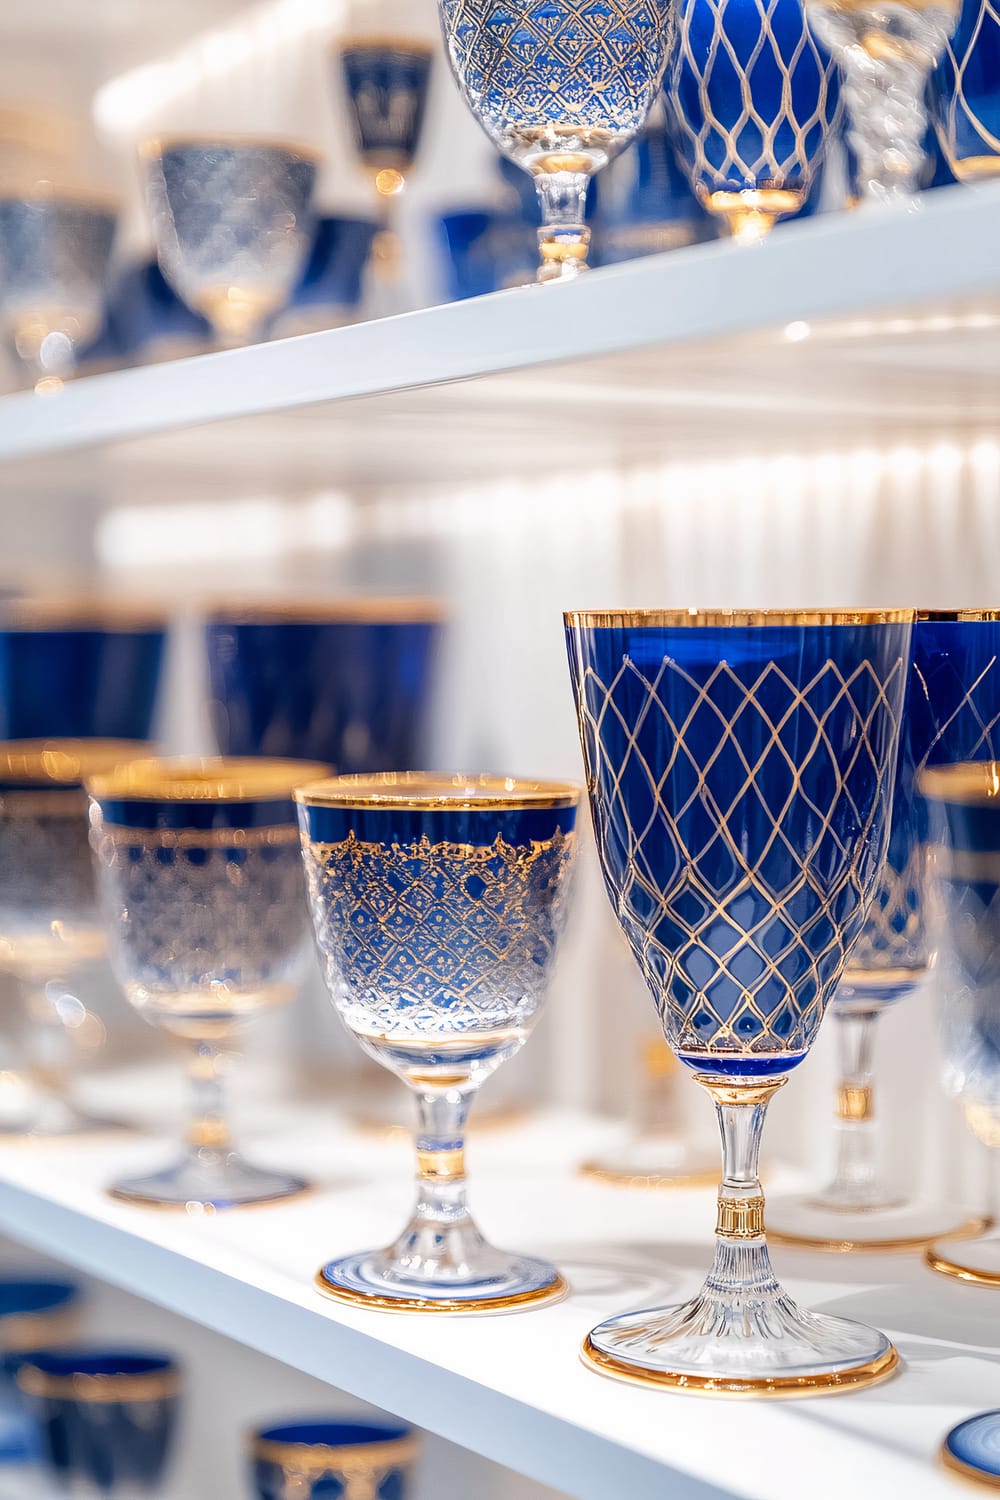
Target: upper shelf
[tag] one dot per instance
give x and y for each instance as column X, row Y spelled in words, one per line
column 804, row 333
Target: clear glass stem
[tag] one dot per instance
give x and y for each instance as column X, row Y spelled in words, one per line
column 564, row 238
column 857, row 1184
column 441, row 1238
column 208, row 1130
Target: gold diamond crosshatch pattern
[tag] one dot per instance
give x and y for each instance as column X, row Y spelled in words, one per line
column 790, row 926
column 439, row 936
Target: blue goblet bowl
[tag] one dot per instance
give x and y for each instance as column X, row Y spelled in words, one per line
column 965, row 94
column 320, row 1459
column 387, row 83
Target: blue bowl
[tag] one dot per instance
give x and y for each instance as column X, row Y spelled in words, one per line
column 320, row 1459
column 331, row 286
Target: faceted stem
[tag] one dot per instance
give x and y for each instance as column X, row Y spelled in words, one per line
column 741, row 1266
column 857, row 1185
column 441, row 1238
column 564, row 239
column 208, row 1129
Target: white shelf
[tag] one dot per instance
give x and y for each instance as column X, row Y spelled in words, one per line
column 669, row 352
column 511, row 1388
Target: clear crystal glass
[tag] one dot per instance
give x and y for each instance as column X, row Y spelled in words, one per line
column 233, row 223
column 204, row 900
column 952, row 713
column 438, row 903
column 560, row 87
column 740, row 768
column 965, row 873
column 55, row 251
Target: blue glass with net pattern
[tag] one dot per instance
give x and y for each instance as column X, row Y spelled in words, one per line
column 965, row 94
column 740, row 768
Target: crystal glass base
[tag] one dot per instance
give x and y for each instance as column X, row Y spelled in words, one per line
column 653, row 1161
column 897, row 1226
column 977, row 1261
column 501, row 1283
column 209, row 1180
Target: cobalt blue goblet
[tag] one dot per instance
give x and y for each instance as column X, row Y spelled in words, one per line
column 965, row 94
column 740, row 769
column 965, row 880
column 347, row 683
column 107, row 1417
column 438, row 903
column 321, row 1459
column 330, row 288
column 752, row 101
column 952, row 713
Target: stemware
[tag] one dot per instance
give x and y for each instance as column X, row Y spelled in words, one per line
column 560, row 88
column 965, row 876
column 965, row 94
column 647, row 204
column 740, row 769
column 107, row 1417
column 49, row 922
column 438, row 903
column 55, row 250
column 314, row 1458
column 752, row 103
column 951, row 713
column 232, row 219
column 205, row 905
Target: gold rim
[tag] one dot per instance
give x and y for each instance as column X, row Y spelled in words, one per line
column 321, row 1458
column 51, row 192
column 968, row 783
column 155, row 145
column 945, row 1266
column 967, row 1471
column 601, row 619
column 554, row 1292
column 425, row 791
column 31, row 1331
column 967, row 1230
column 415, row 45
column 107, row 1389
column 65, row 762
column 653, row 1180
column 216, row 779
column 956, row 616
column 390, row 610
column 80, row 614
column 783, row 1386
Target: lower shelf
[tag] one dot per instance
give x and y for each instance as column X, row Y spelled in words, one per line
column 512, row 1388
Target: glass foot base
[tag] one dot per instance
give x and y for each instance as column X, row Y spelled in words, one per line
column 767, row 1348
column 652, row 1162
column 372, row 1279
column 977, row 1261
column 897, row 1227
column 219, row 1181
column 973, row 1448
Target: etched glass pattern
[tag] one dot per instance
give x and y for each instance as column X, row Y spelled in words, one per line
column 49, row 922
column 387, row 85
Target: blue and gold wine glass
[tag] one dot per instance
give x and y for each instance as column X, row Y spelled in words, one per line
column 965, row 94
column 560, row 87
column 740, row 769
column 107, row 1417
column 647, row 204
column 204, row 901
column 952, row 713
column 438, row 903
column 965, row 881
column 313, row 1459
column 752, row 101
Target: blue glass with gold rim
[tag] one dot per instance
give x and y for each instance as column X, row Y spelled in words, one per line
column 326, row 1459
column 646, row 203
column 438, row 903
column 965, row 94
column 387, row 80
column 740, row 769
column 752, row 102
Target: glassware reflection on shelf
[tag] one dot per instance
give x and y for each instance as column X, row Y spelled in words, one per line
column 752, row 103
column 438, row 903
column 952, row 713
column 232, row 219
column 965, row 94
column 972, row 1448
column 965, row 875
column 345, row 681
column 313, row 1458
column 204, row 898
column 55, row 252
column 49, row 923
column 740, row 768
column 559, row 88
column 330, row 289
column 107, row 1417
column 885, row 50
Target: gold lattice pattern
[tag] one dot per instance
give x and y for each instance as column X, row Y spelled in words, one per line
column 966, row 140
column 438, row 938
column 742, row 957
column 895, row 934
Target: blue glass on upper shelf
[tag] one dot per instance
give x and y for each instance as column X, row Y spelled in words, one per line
column 646, row 202
column 952, row 713
column 965, row 94
column 560, row 87
column 107, row 1417
column 55, row 253
column 752, row 102
column 964, row 867
column 740, row 768
column 387, row 80
column 319, row 1459
column 331, row 286
column 347, row 681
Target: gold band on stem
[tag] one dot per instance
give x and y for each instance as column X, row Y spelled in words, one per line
column 727, row 1093
column 740, row 1218
column 209, row 1132
column 855, row 1102
column 441, row 1166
